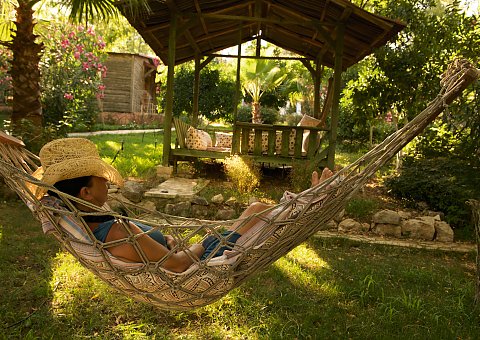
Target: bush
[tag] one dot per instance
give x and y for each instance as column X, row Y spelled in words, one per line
column 301, row 175
column 72, row 72
column 269, row 114
column 244, row 174
column 444, row 184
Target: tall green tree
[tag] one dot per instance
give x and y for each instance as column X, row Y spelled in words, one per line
column 259, row 76
column 26, row 105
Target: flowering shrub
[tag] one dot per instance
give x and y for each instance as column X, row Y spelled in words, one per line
column 5, row 78
column 72, row 72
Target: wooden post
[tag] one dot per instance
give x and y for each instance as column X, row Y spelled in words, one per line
column 336, row 96
column 196, row 90
column 238, row 85
column 167, row 123
column 316, row 88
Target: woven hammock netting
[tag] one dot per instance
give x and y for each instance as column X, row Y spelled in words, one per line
column 280, row 229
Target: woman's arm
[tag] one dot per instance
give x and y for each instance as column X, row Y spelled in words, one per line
column 154, row 251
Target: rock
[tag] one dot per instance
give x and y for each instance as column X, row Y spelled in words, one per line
column 443, row 232
column 183, row 209
column 170, row 209
column 422, row 229
column 225, row 214
column 441, row 215
column 232, row 201
column 339, row 217
column 217, row 199
column 199, row 200
column 149, row 205
column 117, row 202
column 164, row 172
column 404, row 215
column 199, row 211
column 331, row 225
column 133, row 191
column 387, row 217
column 388, row 229
column 365, row 226
column 349, row 225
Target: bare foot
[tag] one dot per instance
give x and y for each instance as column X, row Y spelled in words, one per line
column 326, row 173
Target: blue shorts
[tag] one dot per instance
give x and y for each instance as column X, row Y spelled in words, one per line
column 211, row 243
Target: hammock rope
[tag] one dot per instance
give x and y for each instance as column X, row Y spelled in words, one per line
column 277, row 230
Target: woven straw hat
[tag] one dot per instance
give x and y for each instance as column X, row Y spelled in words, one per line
column 69, row 158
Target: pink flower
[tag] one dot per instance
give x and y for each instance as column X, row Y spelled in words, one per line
column 85, row 66
column 76, row 55
column 101, row 87
column 80, row 28
column 71, row 35
column 100, row 95
column 91, row 30
column 101, row 45
column 65, row 43
column 156, row 61
column 68, row 96
column 79, row 48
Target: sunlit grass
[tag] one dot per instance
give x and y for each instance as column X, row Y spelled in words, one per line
column 134, row 155
column 322, row 289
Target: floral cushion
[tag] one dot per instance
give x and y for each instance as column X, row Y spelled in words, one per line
column 223, row 140
column 197, row 139
column 291, row 142
column 251, row 141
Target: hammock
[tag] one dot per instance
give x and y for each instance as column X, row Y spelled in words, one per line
column 279, row 230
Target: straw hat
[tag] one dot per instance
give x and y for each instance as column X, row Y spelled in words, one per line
column 69, row 158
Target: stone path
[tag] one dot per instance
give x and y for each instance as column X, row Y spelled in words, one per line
column 177, row 187
column 461, row 247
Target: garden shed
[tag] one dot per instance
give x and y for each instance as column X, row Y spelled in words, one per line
column 129, row 93
column 332, row 33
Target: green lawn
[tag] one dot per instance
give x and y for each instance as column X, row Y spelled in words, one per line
column 323, row 289
column 134, row 155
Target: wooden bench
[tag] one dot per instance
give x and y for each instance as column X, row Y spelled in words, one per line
column 289, row 152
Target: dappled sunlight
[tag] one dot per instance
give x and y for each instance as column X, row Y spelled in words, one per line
column 70, row 282
column 1, row 233
column 302, row 266
column 114, row 146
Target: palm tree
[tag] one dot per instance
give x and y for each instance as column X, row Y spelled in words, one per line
column 26, row 105
column 258, row 76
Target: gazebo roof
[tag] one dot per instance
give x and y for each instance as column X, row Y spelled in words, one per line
column 306, row 27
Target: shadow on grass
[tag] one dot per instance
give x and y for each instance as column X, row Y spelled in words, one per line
column 25, row 271
column 324, row 289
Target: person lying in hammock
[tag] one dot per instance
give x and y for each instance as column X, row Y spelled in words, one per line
column 73, row 166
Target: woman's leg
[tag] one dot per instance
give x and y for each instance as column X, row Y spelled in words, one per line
column 254, row 208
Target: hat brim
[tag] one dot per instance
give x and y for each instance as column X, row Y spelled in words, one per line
column 74, row 168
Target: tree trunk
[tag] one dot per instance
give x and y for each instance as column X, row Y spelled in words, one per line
column 27, row 108
column 256, row 115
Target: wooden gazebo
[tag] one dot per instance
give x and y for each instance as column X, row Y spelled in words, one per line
column 332, row 33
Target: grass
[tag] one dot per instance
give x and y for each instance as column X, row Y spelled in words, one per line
column 134, row 155
column 323, row 289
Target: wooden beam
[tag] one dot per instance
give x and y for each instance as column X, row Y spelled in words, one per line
column 317, row 82
column 237, row 82
column 167, row 123
column 217, row 55
column 336, row 97
column 196, row 91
